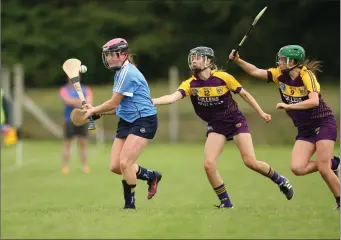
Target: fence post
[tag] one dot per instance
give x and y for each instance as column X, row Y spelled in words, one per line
column 173, row 108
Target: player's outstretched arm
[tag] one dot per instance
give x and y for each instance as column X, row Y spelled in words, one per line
column 253, row 103
column 167, row 99
column 250, row 69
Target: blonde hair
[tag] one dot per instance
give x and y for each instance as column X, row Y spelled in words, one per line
column 131, row 59
column 215, row 67
column 313, row 65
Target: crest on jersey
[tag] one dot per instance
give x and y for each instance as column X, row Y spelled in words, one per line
column 194, row 91
column 282, row 87
column 220, row 90
column 302, row 91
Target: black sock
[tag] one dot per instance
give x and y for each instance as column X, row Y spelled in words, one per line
column 337, row 201
column 145, row 174
column 129, row 193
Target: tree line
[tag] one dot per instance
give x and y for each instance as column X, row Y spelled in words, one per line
column 42, row 34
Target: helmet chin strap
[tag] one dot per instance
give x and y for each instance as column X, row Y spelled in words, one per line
column 116, row 68
column 197, row 71
column 289, row 69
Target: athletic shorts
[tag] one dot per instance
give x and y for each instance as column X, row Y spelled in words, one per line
column 325, row 129
column 70, row 130
column 143, row 127
column 228, row 129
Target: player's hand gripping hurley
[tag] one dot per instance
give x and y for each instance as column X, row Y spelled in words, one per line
column 248, row 32
column 71, row 67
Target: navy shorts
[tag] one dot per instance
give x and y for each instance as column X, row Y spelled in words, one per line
column 143, row 127
column 70, row 130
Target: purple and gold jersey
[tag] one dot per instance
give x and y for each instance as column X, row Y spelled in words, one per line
column 297, row 90
column 211, row 98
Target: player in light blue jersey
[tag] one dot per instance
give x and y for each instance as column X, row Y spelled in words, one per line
column 138, row 119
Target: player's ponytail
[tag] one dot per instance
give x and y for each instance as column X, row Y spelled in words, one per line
column 131, row 59
column 313, row 65
column 215, row 67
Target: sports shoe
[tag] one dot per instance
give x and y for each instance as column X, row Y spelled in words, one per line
column 65, row 170
column 86, row 169
column 286, row 188
column 152, row 185
column 223, row 205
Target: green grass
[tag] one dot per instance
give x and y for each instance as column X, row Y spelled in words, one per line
column 39, row 202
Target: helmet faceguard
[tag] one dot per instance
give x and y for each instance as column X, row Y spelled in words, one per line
column 115, row 46
column 291, row 52
column 204, row 52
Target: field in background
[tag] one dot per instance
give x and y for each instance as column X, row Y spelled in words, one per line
column 39, row 202
column 280, row 131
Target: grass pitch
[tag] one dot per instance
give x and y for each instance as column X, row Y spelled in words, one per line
column 39, row 202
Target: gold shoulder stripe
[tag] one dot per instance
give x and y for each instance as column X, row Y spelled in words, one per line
column 312, row 79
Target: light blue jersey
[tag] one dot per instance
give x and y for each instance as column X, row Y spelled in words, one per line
column 137, row 102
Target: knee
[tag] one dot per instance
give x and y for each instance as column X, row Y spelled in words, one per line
column 250, row 162
column 125, row 163
column 115, row 169
column 298, row 171
column 209, row 165
column 67, row 145
column 323, row 166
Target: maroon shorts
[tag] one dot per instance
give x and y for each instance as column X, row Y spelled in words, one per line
column 326, row 129
column 228, row 129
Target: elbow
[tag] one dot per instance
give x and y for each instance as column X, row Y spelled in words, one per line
column 315, row 102
column 244, row 94
column 171, row 99
column 253, row 73
column 113, row 105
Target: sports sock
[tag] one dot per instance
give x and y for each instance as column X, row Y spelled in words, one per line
column 337, row 201
column 129, row 193
column 145, row 174
column 274, row 176
column 222, row 195
column 335, row 162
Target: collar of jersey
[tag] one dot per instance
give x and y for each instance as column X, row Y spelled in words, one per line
column 126, row 62
column 304, row 68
